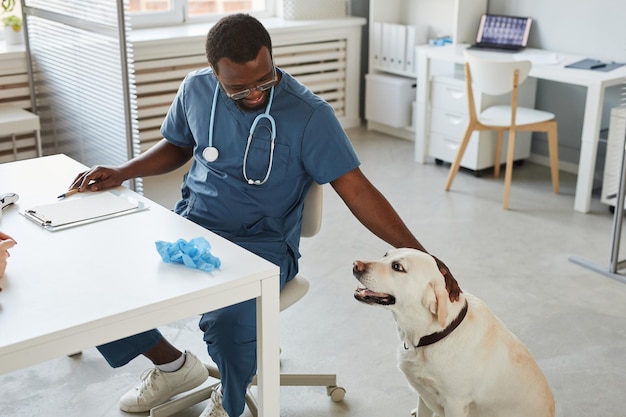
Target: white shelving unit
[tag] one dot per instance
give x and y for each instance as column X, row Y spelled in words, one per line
column 614, row 156
column 428, row 19
column 613, row 193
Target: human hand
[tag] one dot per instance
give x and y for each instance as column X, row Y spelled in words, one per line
column 6, row 243
column 98, row 178
column 452, row 286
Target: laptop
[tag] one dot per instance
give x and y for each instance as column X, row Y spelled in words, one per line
column 502, row 33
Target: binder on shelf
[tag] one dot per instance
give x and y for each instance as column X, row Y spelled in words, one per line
column 386, row 47
column 409, row 55
column 393, row 46
column 399, row 46
column 377, row 42
column 77, row 211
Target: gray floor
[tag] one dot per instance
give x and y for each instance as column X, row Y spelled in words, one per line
column 572, row 319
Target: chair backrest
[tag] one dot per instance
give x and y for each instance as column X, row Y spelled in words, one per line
column 495, row 77
column 297, row 287
column 312, row 211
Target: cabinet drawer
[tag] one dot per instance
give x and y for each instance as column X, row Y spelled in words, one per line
column 450, row 95
column 480, row 152
column 449, row 122
column 445, row 147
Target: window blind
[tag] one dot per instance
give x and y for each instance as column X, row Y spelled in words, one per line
column 82, row 79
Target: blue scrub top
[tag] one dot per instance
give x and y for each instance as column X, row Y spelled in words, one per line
column 266, row 219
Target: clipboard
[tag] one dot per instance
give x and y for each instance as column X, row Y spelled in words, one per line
column 84, row 210
column 595, row 65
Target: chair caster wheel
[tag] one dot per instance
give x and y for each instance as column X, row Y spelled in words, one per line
column 336, row 393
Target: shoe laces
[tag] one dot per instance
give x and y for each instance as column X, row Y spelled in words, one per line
column 217, row 398
column 147, row 377
column 215, row 406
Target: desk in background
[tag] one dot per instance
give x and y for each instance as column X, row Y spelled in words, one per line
column 595, row 81
column 73, row 289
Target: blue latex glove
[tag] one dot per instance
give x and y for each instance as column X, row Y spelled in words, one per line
column 194, row 254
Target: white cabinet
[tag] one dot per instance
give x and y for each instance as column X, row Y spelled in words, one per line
column 389, row 99
column 397, row 26
column 449, row 118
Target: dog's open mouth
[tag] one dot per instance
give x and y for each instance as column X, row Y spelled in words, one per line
column 365, row 295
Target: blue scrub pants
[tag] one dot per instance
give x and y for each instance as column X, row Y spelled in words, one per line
column 230, row 335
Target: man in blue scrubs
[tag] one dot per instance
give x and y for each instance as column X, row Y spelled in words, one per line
column 258, row 139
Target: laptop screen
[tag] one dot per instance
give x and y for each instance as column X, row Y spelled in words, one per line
column 503, row 30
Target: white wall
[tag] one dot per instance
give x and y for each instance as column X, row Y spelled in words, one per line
column 593, row 28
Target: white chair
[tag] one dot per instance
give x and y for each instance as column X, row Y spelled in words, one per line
column 14, row 120
column 293, row 291
column 496, row 77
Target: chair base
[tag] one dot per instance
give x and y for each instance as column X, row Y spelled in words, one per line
column 173, row 406
column 178, row 404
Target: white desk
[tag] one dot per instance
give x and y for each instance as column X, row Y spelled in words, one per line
column 72, row 289
column 595, row 82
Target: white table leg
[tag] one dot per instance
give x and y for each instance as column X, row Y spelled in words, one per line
column 589, row 147
column 268, row 348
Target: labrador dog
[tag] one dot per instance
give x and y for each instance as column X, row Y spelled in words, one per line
column 460, row 358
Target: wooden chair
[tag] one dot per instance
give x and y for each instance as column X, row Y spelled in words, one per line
column 292, row 292
column 496, row 77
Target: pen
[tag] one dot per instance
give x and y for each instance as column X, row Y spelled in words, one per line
column 598, row 65
column 68, row 193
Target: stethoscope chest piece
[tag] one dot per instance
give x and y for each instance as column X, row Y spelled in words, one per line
column 210, row 154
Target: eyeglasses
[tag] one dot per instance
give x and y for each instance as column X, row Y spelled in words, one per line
column 240, row 95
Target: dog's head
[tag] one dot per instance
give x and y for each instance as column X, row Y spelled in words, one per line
column 403, row 280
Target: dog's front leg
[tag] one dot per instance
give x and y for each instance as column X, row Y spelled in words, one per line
column 456, row 409
column 422, row 410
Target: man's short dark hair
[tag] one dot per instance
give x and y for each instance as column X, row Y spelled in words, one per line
column 238, row 37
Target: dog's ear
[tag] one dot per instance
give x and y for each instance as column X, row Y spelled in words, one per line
column 452, row 286
column 436, row 300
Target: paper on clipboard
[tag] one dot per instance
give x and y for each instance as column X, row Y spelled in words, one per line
column 78, row 211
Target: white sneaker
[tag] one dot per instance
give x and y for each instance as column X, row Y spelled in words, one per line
column 157, row 386
column 214, row 408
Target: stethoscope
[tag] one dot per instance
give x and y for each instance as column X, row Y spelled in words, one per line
column 210, row 153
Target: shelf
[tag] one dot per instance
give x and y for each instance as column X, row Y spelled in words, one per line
column 422, row 20
column 395, row 72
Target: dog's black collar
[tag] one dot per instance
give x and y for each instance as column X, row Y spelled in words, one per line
column 435, row 337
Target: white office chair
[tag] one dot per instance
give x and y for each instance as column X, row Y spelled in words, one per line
column 496, row 78
column 293, row 291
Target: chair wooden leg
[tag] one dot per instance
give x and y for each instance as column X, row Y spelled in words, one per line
column 496, row 165
column 459, row 155
column 509, row 168
column 553, row 149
